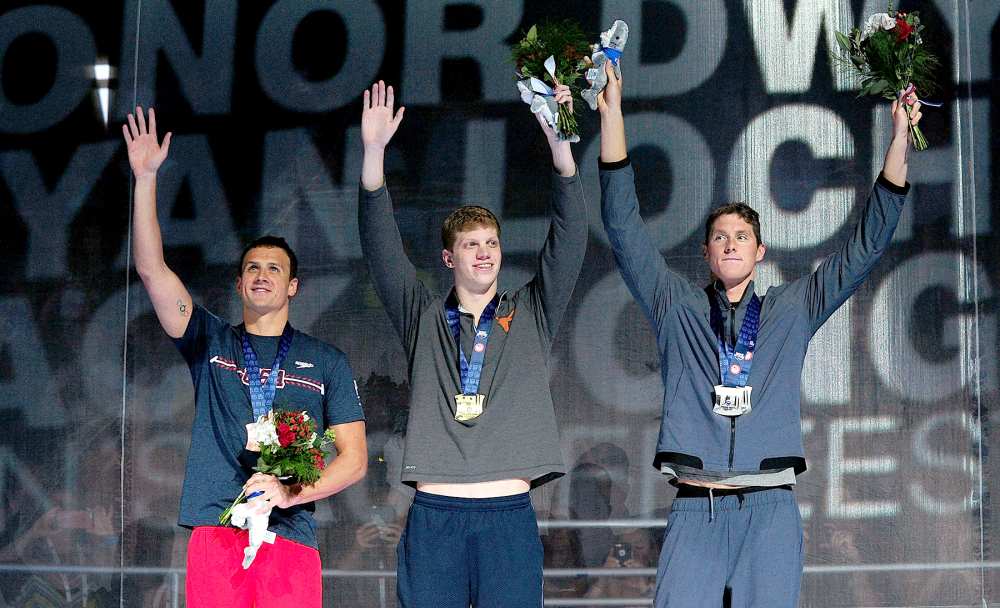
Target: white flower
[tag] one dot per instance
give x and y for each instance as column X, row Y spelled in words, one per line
column 305, row 417
column 877, row 21
column 263, row 432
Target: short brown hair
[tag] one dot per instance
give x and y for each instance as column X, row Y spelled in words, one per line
column 277, row 242
column 465, row 218
column 746, row 213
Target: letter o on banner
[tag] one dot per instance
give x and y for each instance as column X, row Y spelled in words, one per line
column 286, row 86
column 75, row 54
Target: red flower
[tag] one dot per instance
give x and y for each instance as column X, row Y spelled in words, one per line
column 903, row 29
column 318, row 458
column 285, row 435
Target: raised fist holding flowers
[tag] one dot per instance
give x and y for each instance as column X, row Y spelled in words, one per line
column 889, row 57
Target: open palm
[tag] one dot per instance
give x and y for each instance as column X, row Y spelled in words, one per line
column 378, row 124
column 145, row 153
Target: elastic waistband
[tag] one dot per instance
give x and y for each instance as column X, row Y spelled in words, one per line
column 688, row 491
column 694, row 498
column 455, row 503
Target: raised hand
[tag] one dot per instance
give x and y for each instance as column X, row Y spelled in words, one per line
column 905, row 115
column 901, row 119
column 145, row 153
column 611, row 96
column 562, row 154
column 609, row 104
column 378, row 124
column 563, row 95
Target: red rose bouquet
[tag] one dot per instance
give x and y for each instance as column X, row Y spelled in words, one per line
column 290, row 449
column 890, row 59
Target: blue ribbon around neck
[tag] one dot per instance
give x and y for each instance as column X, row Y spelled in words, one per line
column 471, row 369
column 741, row 353
column 262, row 392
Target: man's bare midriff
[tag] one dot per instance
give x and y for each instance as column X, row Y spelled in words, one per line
column 480, row 489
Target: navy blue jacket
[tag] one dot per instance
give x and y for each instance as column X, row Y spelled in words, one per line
column 693, row 439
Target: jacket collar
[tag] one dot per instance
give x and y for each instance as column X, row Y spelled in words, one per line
column 719, row 290
column 451, row 301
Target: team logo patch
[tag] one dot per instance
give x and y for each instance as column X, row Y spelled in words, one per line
column 505, row 320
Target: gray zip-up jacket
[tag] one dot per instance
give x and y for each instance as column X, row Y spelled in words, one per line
column 695, row 442
column 516, row 436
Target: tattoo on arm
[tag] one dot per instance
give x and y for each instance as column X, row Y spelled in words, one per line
column 182, row 308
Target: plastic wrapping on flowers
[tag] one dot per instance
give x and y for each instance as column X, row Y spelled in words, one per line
column 566, row 43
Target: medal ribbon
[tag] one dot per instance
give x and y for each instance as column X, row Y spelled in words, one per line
column 740, row 354
column 262, row 392
column 470, row 370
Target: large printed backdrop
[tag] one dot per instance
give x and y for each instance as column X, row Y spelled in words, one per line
column 725, row 100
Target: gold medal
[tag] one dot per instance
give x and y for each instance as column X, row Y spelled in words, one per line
column 468, row 407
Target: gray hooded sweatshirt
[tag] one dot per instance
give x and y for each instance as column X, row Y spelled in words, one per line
column 516, row 436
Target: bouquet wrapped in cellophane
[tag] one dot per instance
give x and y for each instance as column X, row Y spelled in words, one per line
column 889, row 57
column 549, row 54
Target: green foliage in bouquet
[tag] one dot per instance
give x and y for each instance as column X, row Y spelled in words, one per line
column 291, row 451
column 565, row 41
column 888, row 55
column 298, row 453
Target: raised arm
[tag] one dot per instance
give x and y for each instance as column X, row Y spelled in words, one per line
column 378, row 125
column 170, row 298
column 566, row 244
column 639, row 260
column 393, row 275
column 840, row 274
column 896, row 157
column 562, row 153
